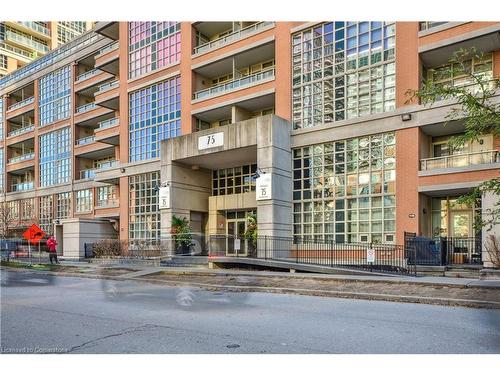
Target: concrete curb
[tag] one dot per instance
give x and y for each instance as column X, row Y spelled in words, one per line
column 285, row 290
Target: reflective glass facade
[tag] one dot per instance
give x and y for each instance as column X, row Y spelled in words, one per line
column 345, row 190
column 144, row 215
column 154, row 115
column 55, row 157
column 55, row 96
column 153, row 45
column 342, row 70
column 63, row 205
column 46, row 214
column 84, row 201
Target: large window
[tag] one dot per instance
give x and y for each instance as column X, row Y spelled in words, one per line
column 106, row 196
column 234, row 180
column 342, row 70
column 46, row 214
column 63, row 207
column 67, row 31
column 144, row 215
column 155, row 114
column 55, row 157
column 55, row 96
column 84, row 201
column 153, row 45
column 345, row 190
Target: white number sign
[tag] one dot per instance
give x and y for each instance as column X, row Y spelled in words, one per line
column 164, row 197
column 210, row 141
column 264, row 187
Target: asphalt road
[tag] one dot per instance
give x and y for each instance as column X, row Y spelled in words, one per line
column 79, row 315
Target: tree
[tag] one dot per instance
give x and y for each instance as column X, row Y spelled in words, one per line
column 9, row 219
column 475, row 108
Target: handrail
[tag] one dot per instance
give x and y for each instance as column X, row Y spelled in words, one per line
column 108, row 123
column 85, row 108
column 109, row 47
column 21, row 186
column 240, row 82
column 35, row 26
column 233, row 36
column 460, row 160
column 85, row 140
column 22, row 103
column 26, row 156
column 87, row 74
column 22, row 130
column 26, row 41
column 90, row 173
column 107, row 86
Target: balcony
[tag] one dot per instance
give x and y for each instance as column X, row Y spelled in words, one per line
column 247, row 81
column 30, row 27
column 21, row 130
column 112, row 202
column 107, row 95
column 234, row 36
column 460, row 162
column 87, row 75
column 23, row 186
column 86, row 108
column 85, row 140
column 90, row 113
column 110, row 29
column 22, row 41
column 107, row 58
column 21, row 107
column 23, row 157
column 108, row 131
column 87, row 174
column 429, row 25
column 21, row 103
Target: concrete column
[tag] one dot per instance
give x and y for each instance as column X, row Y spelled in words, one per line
column 274, row 216
column 488, row 202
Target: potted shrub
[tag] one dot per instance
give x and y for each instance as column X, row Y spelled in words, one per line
column 181, row 232
column 250, row 234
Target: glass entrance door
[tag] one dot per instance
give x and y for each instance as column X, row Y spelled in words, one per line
column 235, row 231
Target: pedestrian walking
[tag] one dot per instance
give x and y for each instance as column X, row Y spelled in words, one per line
column 52, row 244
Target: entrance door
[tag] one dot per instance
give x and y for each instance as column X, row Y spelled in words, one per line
column 235, row 245
column 461, row 233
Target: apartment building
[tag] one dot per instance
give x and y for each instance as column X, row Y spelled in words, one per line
column 24, row 41
column 96, row 130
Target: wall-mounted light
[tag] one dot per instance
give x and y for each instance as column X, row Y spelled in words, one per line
column 411, row 216
column 122, row 170
column 406, row 117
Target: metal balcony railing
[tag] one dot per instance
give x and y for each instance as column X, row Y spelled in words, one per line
column 234, row 84
column 22, row 130
column 108, row 123
column 26, row 156
column 87, row 174
column 90, row 173
column 107, row 86
column 22, row 103
column 429, row 25
column 236, row 35
column 22, row 186
column 85, row 108
column 108, row 48
column 460, row 160
column 85, row 140
column 35, row 26
column 87, row 75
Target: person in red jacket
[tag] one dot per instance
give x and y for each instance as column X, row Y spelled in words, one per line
column 52, row 244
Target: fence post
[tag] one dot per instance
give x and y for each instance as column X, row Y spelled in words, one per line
column 370, row 247
column 265, row 247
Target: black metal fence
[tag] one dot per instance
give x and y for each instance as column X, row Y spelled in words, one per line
column 21, row 249
column 363, row 256
column 443, row 251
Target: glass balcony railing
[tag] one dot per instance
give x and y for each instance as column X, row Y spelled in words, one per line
column 21, row 39
column 108, row 123
column 26, row 156
column 112, row 202
column 460, row 160
column 16, row 50
column 35, row 26
column 85, row 141
column 234, row 84
column 239, row 34
column 22, row 103
column 21, row 130
column 108, row 48
column 22, row 186
column 107, row 86
column 85, row 108
column 429, row 25
column 86, row 174
column 87, row 75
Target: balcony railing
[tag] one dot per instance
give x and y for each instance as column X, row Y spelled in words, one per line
column 26, row 156
column 107, row 86
column 86, row 174
column 22, row 130
column 108, row 48
column 16, row 50
column 35, row 26
column 85, row 140
column 26, row 41
column 237, row 83
column 112, row 202
column 87, row 75
column 22, row 103
column 429, row 25
column 85, row 108
column 22, row 186
column 108, row 123
column 242, row 33
column 460, row 160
